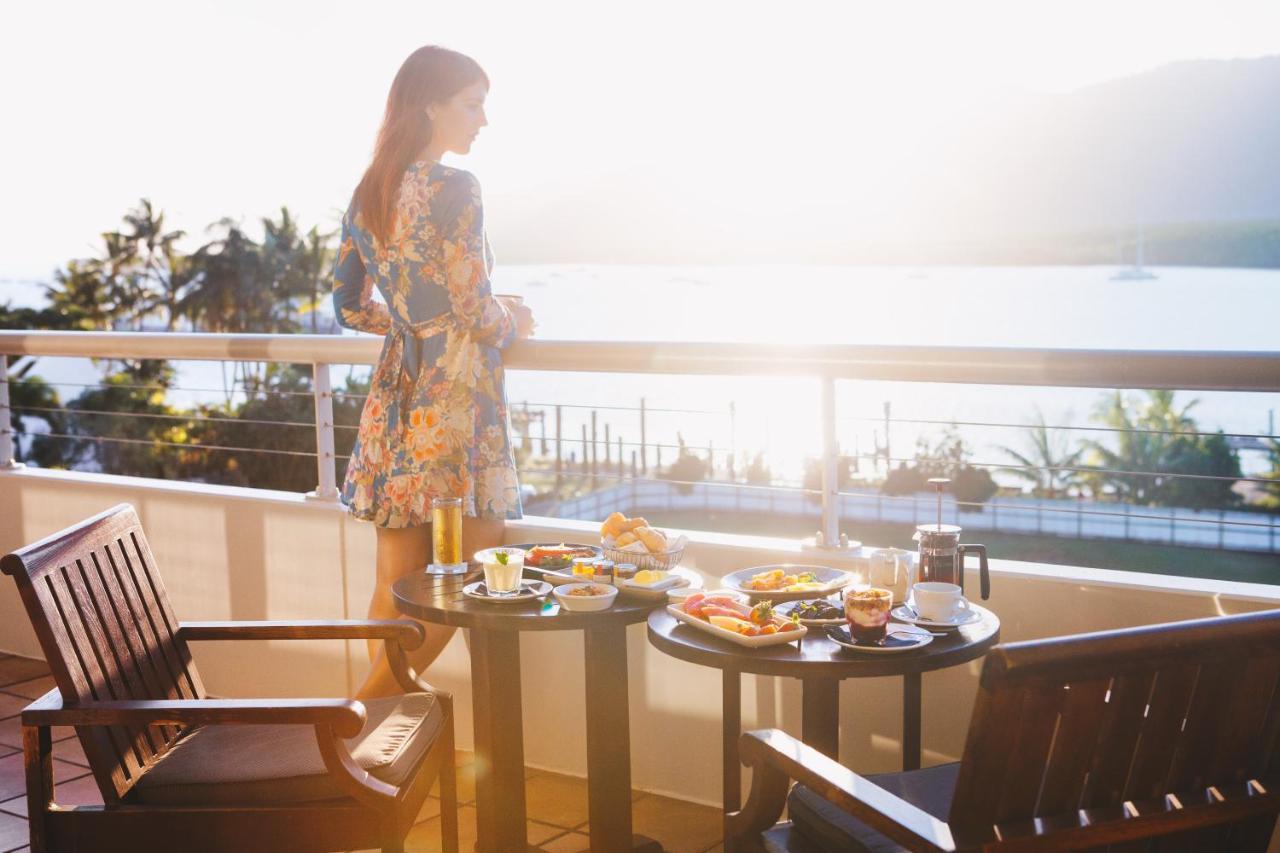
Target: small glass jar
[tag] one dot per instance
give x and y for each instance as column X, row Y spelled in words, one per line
column 623, row 572
column 604, row 571
column 584, row 569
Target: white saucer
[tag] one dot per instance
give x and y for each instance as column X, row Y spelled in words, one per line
column 898, row 638
column 904, row 613
column 530, row 590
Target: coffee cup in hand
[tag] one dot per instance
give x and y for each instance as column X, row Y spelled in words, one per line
column 939, row 602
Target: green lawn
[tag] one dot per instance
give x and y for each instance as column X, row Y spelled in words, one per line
column 1094, row 553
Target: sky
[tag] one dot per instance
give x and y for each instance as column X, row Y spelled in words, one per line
column 671, row 113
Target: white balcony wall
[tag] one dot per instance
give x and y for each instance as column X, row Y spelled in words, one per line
column 229, row 553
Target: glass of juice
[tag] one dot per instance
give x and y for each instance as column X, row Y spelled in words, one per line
column 446, row 537
column 502, row 570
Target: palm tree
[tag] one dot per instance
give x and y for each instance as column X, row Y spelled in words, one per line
column 314, row 259
column 1049, row 459
column 165, row 274
column 1145, row 433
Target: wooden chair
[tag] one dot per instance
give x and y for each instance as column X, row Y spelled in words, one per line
column 180, row 771
column 1166, row 732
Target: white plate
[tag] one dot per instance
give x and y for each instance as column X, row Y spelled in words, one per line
column 904, row 613
column 898, row 638
column 682, row 578
column 733, row 636
column 529, row 591
column 831, row 580
column 788, row 607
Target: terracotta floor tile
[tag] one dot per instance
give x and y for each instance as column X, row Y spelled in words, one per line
column 425, row 837
column 537, row 833
column 77, row 792
column 557, row 800
column 13, row 780
column 13, row 832
column 11, row 705
column 15, row 669
column 70, row 751
column 573, row 842
column 11, row 732
column 32, row 689
column 430, row 808
column 680, row 827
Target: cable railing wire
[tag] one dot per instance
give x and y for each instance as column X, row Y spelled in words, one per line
column 177, row 444
column 1132, row 430
column 155, row 415
column 1068, row 469
column 929, row 499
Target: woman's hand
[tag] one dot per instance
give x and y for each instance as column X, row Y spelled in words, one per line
column 523, row 317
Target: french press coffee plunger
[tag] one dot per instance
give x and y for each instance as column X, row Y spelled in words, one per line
column 942, row 555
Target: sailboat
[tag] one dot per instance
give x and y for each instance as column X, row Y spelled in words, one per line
column 1137, row 272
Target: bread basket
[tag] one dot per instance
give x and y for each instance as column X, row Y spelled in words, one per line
column 662, row 561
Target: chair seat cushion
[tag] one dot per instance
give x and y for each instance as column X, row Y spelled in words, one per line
column 272, row 764
column 827, row 827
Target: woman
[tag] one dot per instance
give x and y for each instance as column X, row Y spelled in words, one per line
column 435, row 421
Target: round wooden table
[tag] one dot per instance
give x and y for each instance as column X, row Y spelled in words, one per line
column 821, row 665
column 495, row 690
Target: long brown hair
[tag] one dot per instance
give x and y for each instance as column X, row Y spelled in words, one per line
column 430, row 74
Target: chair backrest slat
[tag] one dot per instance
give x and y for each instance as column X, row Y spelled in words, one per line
column 1079, row 721
column 107, row 631
column 1101, row 720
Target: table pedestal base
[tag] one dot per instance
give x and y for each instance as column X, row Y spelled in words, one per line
column 499, row 737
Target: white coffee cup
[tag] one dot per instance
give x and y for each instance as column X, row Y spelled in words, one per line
column 939, row 602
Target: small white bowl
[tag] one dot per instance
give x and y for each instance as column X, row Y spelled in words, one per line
column 584, row 603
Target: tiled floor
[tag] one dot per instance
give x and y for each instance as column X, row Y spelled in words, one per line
column 557, row 805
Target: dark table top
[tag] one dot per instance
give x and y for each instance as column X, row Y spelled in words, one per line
column 815, row 656
column 439, row 599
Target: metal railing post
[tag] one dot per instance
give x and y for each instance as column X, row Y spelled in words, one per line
column 830, row 462
column 6, row 418
column 326, row 454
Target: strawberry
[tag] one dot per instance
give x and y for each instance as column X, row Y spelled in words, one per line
column 762, row 613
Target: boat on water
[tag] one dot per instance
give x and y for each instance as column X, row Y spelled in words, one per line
column 1137, row 272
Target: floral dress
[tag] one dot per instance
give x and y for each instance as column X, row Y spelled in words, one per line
column 435, row 421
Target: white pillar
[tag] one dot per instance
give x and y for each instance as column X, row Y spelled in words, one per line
column 326, row 461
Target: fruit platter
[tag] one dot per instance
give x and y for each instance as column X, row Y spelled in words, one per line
column 787, row 582
column 724, row 616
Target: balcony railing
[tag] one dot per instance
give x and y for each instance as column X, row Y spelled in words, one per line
column 1257, row 372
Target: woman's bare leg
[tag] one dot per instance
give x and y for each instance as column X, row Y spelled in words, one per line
column 400, row 552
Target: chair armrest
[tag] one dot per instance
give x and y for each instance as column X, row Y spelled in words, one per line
column 776, row 757
column 403, row 631
column 346, row 717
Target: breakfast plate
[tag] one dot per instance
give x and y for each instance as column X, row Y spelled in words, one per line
column 555, row 557
column 898, row 638
column 787, row 581
column 677, row 578
column 828, row 612
column 906, row 613
column 530, row 590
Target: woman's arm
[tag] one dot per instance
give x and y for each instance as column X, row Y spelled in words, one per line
column 353, row 302
column 466, row 274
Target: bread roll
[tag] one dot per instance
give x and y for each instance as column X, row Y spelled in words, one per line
column 653, row 539
column 633, row 523
column 613, row 525
column 626, row 539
